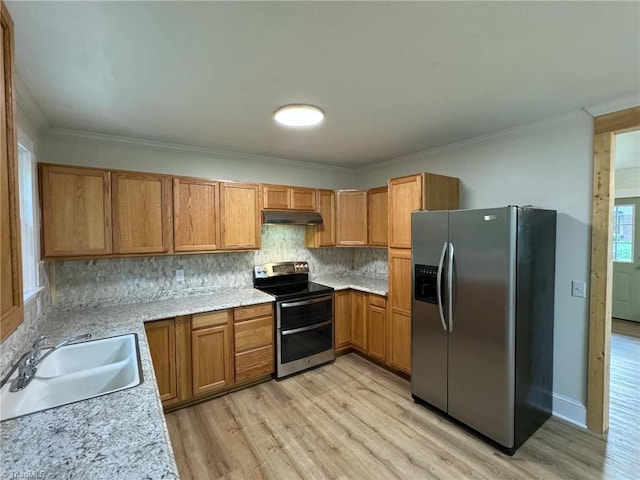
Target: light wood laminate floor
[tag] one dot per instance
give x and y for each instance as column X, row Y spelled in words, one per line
column 354, row 420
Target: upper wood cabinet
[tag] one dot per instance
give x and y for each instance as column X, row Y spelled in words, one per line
column 275, row 197
column 283, row 197
column 11, row 306
column 76, row 210
column 196, row 226
column 141, row 212
column 378, row 217
column 351, row 217
column 323, row 235
column 417, row 192
column 239, row 216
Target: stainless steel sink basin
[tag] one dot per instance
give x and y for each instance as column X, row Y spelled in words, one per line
column 74, row 373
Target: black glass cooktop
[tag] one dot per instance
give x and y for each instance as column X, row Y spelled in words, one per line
column 296, row 290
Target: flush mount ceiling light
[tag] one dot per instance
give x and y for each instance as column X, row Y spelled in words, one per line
column 298, row 115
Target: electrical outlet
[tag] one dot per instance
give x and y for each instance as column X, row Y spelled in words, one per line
column 579, row 288
column 180, row 275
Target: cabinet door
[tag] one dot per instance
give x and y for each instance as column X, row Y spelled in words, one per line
column 11, row 259
column 399, row 343
column 196, row 226
column 161, row 339
column 141, row 213
column 239, row 216
column 399, row 330
column 254, row 363
column 76, row 211
column 405, row 196
column 376, row 326
column 211, row 359
column 276, row 197
column 359, row 320
column 303, row 198
column 351, row 217
column 342, row 319
column 323, row 235
column 378, row 216
column 441, row 192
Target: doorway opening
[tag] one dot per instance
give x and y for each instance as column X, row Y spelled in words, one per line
column 606, row 129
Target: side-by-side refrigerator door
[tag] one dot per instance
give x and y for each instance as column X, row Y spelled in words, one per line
column 428, row 321
column 482, row 329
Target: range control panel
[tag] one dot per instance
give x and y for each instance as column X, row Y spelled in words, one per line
column 283, row 268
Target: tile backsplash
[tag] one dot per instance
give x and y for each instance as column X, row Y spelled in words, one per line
column 110, row 281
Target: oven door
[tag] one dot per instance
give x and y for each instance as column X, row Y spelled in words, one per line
column 295, row 314
column 304, row 334
column 306, row 341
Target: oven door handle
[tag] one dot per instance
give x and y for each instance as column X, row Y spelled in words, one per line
column 306, row 302
column 306, row 329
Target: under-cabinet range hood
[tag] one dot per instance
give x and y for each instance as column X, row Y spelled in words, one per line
column 284, row 217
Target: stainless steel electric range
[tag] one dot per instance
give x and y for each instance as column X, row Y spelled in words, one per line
column 304, row 316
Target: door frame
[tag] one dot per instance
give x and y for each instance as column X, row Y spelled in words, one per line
column 600, row 296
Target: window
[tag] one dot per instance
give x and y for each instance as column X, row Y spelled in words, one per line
column 28, row 216
column 623, row 216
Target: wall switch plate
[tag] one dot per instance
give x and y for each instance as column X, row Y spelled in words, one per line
column 180, row 275
column 579, row 288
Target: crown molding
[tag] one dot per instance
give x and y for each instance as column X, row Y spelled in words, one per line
column 573, row 116
column 620, row 103
column 29, row 105
column 214, row 152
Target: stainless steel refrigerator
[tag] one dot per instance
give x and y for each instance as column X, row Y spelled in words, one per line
column 482, row 318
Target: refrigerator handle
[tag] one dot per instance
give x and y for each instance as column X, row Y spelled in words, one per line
column 439, row 285
column 450, row 286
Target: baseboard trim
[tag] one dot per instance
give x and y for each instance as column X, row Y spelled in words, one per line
column 570, row 410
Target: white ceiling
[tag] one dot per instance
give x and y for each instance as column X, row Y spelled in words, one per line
column 393, row 78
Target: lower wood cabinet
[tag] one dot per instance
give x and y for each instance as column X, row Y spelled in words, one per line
column 161, row 338
column 204, row 354
column 359, row 320
column 342, row 320
column 399, row 341
column 253, row 332
column 376, row 327
column 211, row 352
column 361, row 323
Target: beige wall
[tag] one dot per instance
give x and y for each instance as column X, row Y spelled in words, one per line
column 106, row 152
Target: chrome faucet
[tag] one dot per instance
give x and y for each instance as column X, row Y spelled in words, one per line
column 27, row 369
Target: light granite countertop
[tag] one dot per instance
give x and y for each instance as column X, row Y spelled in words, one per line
column 375, row 285
column 120, row 435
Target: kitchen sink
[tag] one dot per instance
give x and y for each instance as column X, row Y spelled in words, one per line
column 87, row 355
column 73, row 373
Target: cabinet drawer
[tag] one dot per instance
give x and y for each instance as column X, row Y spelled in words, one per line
column 253, row 333
column 209, row 319
column 254, row 363
column 377, row 300
column 252, row 311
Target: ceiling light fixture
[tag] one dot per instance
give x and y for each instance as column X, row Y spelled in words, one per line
column 298, row 115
